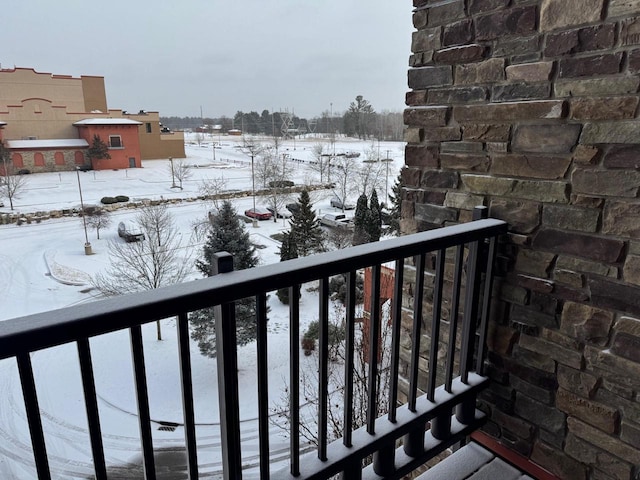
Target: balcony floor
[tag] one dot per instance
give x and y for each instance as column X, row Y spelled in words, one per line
column 473, row 462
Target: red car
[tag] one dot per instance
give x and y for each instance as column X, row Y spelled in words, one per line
column 258, row 213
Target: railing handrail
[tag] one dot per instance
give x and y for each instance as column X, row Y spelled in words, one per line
column 42, row 330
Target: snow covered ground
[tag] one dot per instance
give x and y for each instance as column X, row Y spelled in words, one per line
column 43, row 267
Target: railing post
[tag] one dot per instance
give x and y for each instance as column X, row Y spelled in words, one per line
column 465, row 411
column 227, row 361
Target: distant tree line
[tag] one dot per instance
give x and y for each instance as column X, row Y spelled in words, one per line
column 359, row 120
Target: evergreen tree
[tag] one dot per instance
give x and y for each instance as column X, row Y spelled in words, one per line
column 360, row 218
column 393, row 217
column 288, row 250
column 226, row 234
column 305, row 227
column 98, row 149
column 374, row 219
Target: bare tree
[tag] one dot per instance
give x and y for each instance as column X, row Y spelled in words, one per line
column 11, row 184
column 309, row 381
column 97, row 218
column 149, row 264
column 343, row 172
column 320, row 164
column 276, row 173
column 179, row 170
column 212, row 188
column 370, row 174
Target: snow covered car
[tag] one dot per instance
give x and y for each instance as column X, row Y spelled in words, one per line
column 281, row 213
column 337, row 203
column 130, row 231
column 258, row 213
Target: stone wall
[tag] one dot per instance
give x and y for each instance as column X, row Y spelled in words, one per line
column 530, row 107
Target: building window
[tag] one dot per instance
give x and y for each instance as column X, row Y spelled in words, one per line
column 148, row 127
column 115, row 141
column 38, row 159
column 59, row 158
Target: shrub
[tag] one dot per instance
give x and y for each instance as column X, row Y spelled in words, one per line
column 108, row 200
column 281, row 183
column 122, row 198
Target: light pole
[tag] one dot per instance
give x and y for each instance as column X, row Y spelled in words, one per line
column 253, row 192
column 87, row 245
column 386, row 179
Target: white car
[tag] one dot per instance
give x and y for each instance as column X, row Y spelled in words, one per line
column 130, row 231
column 337, row 203
column 281, row 213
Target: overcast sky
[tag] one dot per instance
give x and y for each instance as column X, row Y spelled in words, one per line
column 221, row 55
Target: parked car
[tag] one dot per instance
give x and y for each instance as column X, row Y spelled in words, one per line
column 337, row 203
column 293, row 207
column 258, row 213
column 333, row 220
column 281, row 213
column 130, row 231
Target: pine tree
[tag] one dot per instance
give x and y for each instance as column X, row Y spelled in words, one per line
column 305, row 227
column 288, row 250
column 393, row 218
column 374, row 219
column 98, row 149
column 360, row 218
column 226, row 234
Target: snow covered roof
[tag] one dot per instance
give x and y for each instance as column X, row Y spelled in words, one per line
column 50, row 143
column 107, row 121
column 3, row 123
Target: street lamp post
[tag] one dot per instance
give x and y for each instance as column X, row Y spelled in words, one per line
column 87, row 245
column 253, row 192
column 386, row 179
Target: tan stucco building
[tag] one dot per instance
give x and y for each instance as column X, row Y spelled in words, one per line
column 38, row 106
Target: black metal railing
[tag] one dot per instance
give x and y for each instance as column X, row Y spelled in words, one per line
column 405, row 424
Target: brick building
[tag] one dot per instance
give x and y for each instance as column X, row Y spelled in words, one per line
column 49, row 122
column 530, row 107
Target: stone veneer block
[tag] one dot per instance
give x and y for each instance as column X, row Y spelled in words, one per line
column 619, row 8
column 586, row 39
column 434, row 214
column 613, row 183
column 630, row 34
column 571, row 218
column 427, row 77
column 511, row 111
column 545, row 138
column 442, row 134
column 597, row 414
column 623, row 156
column 425, row 40
column 536, row 190
column 530, row 166
column 586, row 323
column 446, row 12
column 464, row 162
column 631, row 270
column 419, row 156
column 459, row 33
column 463, row 201
column 481, row 132
column 513, row 21
column 615, row 85
column 599, row 249
column 611, row 132
column 447, row 96
column 530, row 72
column 489, row 71
column 603, row 108
column 595, row 436
column 605, row 64
column 557, row 14
column 460, row 54
column 426, row 116
column 622, row 218
column 522, row 217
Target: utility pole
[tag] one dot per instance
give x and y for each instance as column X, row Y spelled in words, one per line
column 87, row 245
column 173, row 177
